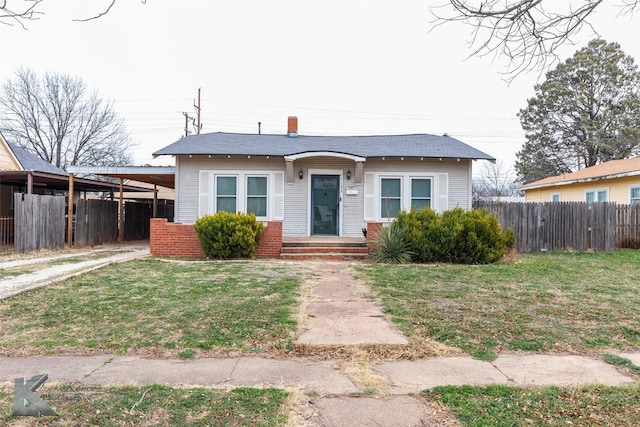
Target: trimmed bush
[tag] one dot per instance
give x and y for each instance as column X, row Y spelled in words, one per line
column 455, row 236
column 228, row 235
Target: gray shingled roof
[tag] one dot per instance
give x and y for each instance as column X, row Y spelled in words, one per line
column 31, row 162
column 420, row 145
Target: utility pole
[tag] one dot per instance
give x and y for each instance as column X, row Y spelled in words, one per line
column 197, row 106
column 186, row 123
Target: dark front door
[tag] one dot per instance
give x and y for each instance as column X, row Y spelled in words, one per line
column 325, row 201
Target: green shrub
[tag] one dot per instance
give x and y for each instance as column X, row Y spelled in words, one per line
column 228, row 235
column 391, row 247
column 455, row 236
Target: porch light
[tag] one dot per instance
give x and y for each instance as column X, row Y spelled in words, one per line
column 300, row 174
column 348, row 174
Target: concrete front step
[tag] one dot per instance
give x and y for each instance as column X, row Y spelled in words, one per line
column 323, row 249
column 332, row 256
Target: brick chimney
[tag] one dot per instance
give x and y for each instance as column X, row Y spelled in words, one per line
column 292, row 126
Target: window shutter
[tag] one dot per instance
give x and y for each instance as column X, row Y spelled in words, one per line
column 443, row 192
column 278, row 196
column 369, row 196
column 204, row 193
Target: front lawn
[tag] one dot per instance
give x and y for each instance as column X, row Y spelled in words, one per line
column 572, row 302
column 500, row 405
column 158, row 306
column 153, row 406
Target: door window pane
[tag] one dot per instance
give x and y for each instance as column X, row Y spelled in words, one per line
column 390, row 197
column 257, row 195
column 226, row 194
column 420, row 193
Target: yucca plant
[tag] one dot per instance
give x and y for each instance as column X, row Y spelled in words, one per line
column 391, row 247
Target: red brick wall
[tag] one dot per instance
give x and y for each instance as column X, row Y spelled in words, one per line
column 372, row 229
column 271, row 241
column 181, row 240
column 174, row 239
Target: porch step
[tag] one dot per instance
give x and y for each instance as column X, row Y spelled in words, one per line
column 327, row 250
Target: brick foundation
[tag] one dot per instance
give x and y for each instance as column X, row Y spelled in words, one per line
column 373, row 228
column 271, row 241
column 180, row 240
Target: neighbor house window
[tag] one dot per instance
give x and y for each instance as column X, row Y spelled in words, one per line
column 257, row 195
column 390, row 197
column 555, row 197
column 226, row 191
column 634, row 198
column 420, row 193
column 596, row 196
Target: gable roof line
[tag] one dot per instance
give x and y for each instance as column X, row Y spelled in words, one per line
column 414, row 145
column 612, row 169
column 10, row 151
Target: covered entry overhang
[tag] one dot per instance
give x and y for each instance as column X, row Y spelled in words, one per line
column 290, row 162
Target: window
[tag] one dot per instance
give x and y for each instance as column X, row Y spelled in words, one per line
column 555, row 197
column 596, row 196
column 635, row 196
column 257, row 195
column 390, row 197
column 420, row 193
column 226, row 191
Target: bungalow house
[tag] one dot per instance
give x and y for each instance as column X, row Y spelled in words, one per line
column 309, row 186
column 613, row 181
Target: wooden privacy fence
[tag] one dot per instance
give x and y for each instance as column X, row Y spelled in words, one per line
column 628, row 226
column 559, row 226
column 96, row 222
column 136, row 221
column 39, row 222
column 6, row 235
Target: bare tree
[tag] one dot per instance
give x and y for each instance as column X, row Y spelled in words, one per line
column 495, row 181
column 21, row 11
column 58, row 120
column 18, row 12
column 527, row 32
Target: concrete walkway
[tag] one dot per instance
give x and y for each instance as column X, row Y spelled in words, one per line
column 103, row 255
column 334, row 311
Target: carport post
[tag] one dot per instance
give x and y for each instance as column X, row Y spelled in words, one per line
column 70, row 212
column 155, row 200
column 121, row 212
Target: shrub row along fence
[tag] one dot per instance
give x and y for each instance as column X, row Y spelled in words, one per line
column 39, row 222
column 569, row 225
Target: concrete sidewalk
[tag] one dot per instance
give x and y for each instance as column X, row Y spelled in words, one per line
column 324, row 377
column 339, row 400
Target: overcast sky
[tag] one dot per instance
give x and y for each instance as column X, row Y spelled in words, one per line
column 344, row 67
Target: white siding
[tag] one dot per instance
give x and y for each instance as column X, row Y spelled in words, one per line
column 295, row 195
column 457, row 173
column 188, row 177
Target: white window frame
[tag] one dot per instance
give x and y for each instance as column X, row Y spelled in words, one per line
column 215, row 190
column 209, row 204
column 596, row 192
column 631, row 198
column 381, row 196
column 266, row 196
column 405, row 192
column 430, row 198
